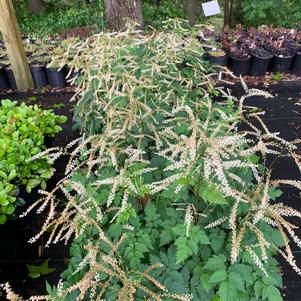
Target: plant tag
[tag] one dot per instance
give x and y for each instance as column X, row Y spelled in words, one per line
column 211, row 8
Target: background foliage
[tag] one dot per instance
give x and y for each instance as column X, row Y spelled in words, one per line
column 284, row 13
column 62, row 15
column 58, row 16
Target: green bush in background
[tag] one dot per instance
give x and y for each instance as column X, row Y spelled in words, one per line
column 61, row 15
column 58, row 16
column 279, row 13
column 154, row 15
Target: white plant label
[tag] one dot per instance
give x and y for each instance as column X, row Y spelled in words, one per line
column 211, row 8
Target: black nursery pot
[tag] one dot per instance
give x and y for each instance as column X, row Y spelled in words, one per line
column 281, row 64
column 4, row 83
column 11, row 78
column 296, row 64
column 260, row 65
column 240, row 66
column 218, row 60
column 56, row 77
column 39, row 75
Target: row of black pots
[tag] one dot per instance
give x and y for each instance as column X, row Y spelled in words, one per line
column 258, row 66
column 41, row 76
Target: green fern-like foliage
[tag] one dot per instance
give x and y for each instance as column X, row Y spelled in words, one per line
column 165, row 199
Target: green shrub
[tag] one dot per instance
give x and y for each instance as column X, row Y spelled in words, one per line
column 22, row 135
column 166, row 199
column 58, row 16
column 271, row 12
column 155, row 15
column 57, row 21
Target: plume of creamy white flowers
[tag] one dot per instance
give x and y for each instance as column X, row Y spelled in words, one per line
column 210, row 149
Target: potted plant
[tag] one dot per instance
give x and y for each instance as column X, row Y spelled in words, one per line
column 214, row 50
column 236, row 43
column 240, row 60
column 296, row 64
column 56, row 75
column 4, row 83
column 283, row 56
column 38, row 70
column 217, row 57
column 11, row 77
column 260, row 62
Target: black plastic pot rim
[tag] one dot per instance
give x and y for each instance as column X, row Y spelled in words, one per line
column 240, row 59
column 217, row 56
column 281, row 56
column 263, row 57
column 37, row 65
column 54, row 69
column 294, row 49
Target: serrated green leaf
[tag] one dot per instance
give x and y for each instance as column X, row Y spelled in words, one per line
column 218, row 276
column 165, row 237
column 216, row 263
column 236, row 281
column 180, row 230
column 183, row 250
column 270, row 280
column 217, row 239
column 258, row 287
column 211, row 194
column 274, row 193
column 244, row 271
column 272, row 293
column 227, row 292
column 150, row 209
column 205, row 282
column 202, row 238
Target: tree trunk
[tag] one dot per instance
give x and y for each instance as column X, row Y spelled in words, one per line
column 227, row 7
column 118, row 12
column 191, row 10
column 36, row 6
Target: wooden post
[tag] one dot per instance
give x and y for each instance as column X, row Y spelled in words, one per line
column 14, row 46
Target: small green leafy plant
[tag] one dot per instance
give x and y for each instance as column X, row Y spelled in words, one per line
column 22, row 135
column 277, row 76
column 35, row 271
